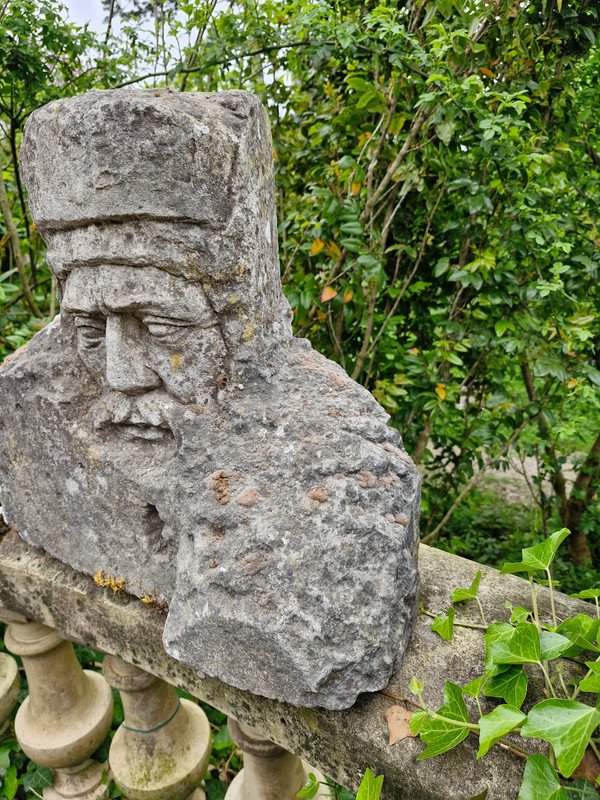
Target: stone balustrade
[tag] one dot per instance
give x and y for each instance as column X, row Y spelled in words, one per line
column 278, row 739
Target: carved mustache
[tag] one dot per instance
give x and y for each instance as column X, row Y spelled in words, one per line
column 153, row 409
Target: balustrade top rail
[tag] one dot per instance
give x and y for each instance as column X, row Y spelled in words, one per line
column 340, row 743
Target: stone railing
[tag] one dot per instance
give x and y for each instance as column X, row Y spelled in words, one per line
column 69, row 707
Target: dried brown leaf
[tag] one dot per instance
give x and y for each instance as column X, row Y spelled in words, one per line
column 398, row 718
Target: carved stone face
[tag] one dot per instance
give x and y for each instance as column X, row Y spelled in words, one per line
column 140, row 330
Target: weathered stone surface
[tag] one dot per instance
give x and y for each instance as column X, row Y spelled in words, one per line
column 339, row 743
column 170, row 436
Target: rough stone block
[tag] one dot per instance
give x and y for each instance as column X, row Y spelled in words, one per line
column 169, row 435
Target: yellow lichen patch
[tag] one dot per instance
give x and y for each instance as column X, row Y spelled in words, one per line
column 152, row 601
column 176, row 361
column 109, row 582
column 248, row 331
column 233, row 298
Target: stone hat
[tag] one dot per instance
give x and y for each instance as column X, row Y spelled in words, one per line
column 179, row 181
column 125, row 156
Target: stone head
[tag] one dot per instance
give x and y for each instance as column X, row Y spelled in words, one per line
column 157, row 209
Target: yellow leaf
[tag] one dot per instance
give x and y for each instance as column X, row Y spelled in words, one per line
column 321, row 314
column 486, row 71
column 440, row 390
column 355, row 188
column 317, row 246
column 327, row 294
column 333, row 250
column 559, row 5
column 414, row 351
column 572, row 383
column 348, row 296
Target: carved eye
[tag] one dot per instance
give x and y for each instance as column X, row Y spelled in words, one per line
column 90, row 330
column 163, row 329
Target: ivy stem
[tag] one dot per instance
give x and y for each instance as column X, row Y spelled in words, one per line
column 595, row 749
column 562, row 682
column 544, row 668
column 597, row 608
column 587, row 675
column 534, row 603
column 460, row 624
column 550, row 587
column 481, row 610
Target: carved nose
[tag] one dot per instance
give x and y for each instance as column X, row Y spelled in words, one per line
column 125, row 368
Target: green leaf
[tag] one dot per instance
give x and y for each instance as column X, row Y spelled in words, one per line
column 521, row 647
column 495, row 632
column 519, row 614
column 441, row 735
column 11, row 783
column 416, row 687
column 444, row 624
column 497, row 724
column 310, row 788
column 553, row 645
column 417, row 721
column 539, row 556
column 480, row 796
column 586, row 594
column 511, row 686
column 582, row 631
column 540, row 781
column 370, row 786
column 567, row 725
column 458, row 595
column 581, row 790
column 591, row 683
column 473, row 688
column 37, row 778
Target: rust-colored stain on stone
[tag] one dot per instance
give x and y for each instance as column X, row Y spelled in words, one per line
column 318, row 493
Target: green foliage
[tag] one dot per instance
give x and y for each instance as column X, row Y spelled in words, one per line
column 564, row 722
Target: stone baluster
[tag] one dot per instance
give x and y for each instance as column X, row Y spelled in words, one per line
column 162, row 749
column 67, row 714
column 9, row 682
column 270, row 772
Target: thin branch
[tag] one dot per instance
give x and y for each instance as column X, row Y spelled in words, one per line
column 179, row 69
column 368, row 330
column 16, row 248
column 473, row 482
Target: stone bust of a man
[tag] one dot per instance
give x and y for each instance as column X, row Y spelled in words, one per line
column 171, row 431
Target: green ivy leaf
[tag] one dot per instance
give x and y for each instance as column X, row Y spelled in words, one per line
column 497, row 631
column 310, row 788
column 444, row 624
column 581, row 790
column 540, row 781
column 582, row 631
column 567, row 725
column 417, row 722
column 37, row 778
column 370, row 786
column 591, row 683
column 441, row 735
column 538, row 557
column 458, row 595
column 521, row 647
column 553, row 645
column 416, row 687
column 11, row 783
column 519, row 614
column 497, row 724
column 586, row 594
column 511, row 686
column 473, row 688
